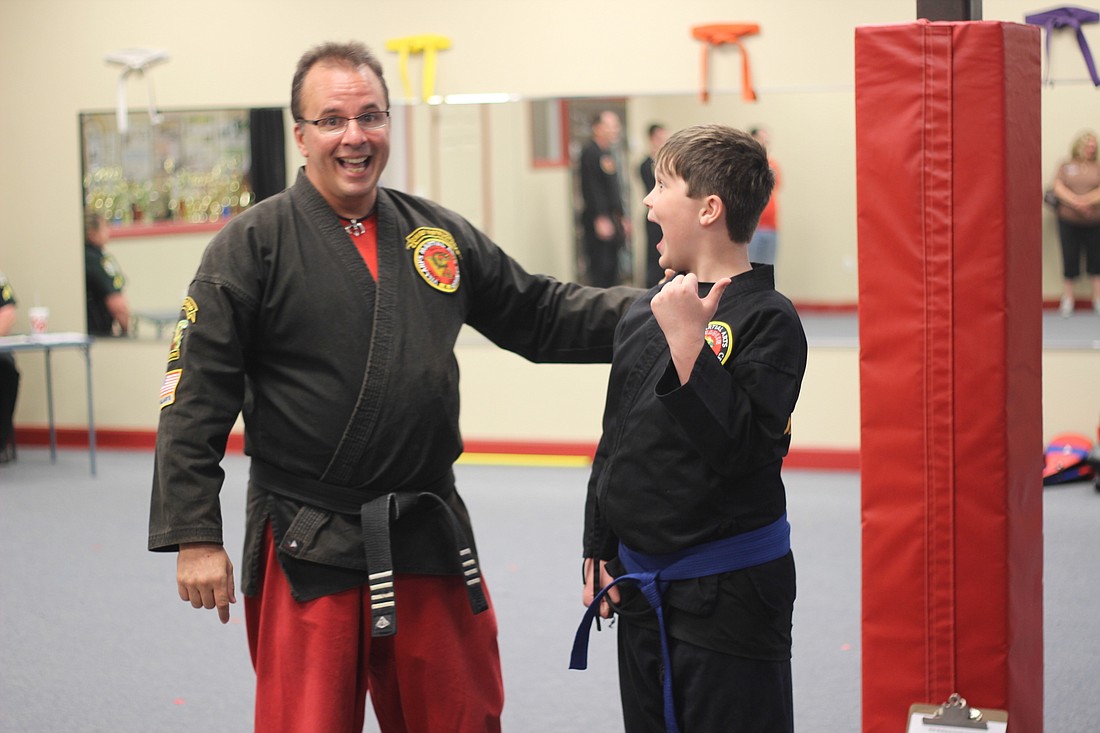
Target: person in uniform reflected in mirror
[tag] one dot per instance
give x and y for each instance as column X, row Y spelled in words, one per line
column 653, row 271
column 605, row 227
column 107, row 308
column 9, row 375
column 764, row 246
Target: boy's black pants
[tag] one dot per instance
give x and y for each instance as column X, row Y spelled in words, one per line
column 713, row 692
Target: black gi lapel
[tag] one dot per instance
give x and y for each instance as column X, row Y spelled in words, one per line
column 364, row 417
column 654, row 348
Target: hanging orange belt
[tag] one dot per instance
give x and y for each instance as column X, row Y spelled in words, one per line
column 717, row 34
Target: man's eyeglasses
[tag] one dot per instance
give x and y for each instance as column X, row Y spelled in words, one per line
column 336, row 125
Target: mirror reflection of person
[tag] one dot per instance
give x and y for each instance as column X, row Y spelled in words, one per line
column 764, row 245
column 9, row 375
column 653, row 270
column 605, row 227
column 327, row 315
column 1077, row 186
column 108, row 311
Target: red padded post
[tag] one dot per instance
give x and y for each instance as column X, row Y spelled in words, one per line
column 950, row 321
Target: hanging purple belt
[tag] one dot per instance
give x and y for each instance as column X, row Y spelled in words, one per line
column 1068, row 17
column 652, row 572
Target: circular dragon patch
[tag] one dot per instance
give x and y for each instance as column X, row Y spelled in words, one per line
column 719, row 339
column 436, row 257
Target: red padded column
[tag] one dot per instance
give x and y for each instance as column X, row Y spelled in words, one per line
column 948, row 175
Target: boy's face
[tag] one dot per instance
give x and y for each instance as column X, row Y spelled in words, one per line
column 679, row 216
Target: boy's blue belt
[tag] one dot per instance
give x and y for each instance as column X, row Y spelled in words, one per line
column 652, row 572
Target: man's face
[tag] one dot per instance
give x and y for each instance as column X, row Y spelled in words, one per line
column 657, row 139
column 607, row 130
column 344, row 167
column 100, row 235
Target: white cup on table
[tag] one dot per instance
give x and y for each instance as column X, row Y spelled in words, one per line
column 40, row 318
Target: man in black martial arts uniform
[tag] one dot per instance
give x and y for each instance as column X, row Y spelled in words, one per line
column 327, row 314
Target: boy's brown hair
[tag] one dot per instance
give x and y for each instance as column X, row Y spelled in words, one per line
column 725, row 162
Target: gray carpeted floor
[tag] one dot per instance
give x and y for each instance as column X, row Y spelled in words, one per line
column 93, row 637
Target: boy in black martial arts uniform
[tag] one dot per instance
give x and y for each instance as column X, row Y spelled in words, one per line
column 685, row 497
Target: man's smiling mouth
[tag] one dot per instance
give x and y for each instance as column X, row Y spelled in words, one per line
column 354, row 164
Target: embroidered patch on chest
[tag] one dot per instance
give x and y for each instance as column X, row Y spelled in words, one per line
column 720, row 339
column 436, row 257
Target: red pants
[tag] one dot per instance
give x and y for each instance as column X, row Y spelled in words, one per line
column 316, row 661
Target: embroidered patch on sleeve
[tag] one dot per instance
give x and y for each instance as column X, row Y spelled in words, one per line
column 720, row 339
column 436, row 256
column 168, row 387
column 190, row 309
column 189, row 313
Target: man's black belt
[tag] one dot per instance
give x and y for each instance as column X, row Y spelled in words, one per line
column 377, row 511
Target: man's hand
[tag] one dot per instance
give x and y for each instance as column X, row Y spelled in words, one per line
column 204, row 576
column 605, row 580
column 605, row 228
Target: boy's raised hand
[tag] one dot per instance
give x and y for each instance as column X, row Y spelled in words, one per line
column 683, row 316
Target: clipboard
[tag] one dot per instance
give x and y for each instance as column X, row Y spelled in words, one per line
column 955, row 716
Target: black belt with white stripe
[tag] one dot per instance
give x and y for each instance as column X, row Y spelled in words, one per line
column 376, row 514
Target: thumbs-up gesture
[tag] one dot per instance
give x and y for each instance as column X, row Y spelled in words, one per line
column 683, row 316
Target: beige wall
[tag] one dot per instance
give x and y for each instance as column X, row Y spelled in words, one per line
column 242, row 54
column 507, row 398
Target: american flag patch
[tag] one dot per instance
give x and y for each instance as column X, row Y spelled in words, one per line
column 168, row 387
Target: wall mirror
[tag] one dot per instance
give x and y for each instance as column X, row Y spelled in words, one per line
column 190, row 168
column 479, row 158
column 187, row 171
column 510, row 168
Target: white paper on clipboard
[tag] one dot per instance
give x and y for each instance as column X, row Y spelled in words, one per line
column 917, row 725
column 955, row 716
